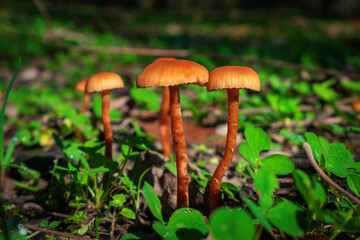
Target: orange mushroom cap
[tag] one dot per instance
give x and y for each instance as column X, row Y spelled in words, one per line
column 103, row 81
column 356, row 106
column 172, row 73
column 80, row 86
column 233, row 77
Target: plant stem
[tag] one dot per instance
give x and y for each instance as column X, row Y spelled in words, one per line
column 336, row 233
column 259, row 232
column 2, row 120
column 325, row 177
column 112, row 224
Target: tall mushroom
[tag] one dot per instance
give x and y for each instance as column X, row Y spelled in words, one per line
column 163, row 116
column 104, row 82
column 172, row 74
column 231, row 78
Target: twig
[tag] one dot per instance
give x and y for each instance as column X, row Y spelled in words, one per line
column 281, row 64
column 45, row 14
column 57, row 233
column 112, row 224
column 325, row 177
column 130, row 50
column 187, row 53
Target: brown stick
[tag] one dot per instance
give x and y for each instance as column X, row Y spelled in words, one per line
column 233, row 114
column 105, row 116
column 57, row 233
column 325, row 177
column 164, row 125
column 179, row 148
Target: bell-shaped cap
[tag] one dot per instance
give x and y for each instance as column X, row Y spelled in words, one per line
column 228, row 77
column 356, row 106
column 172, row 73
column 103, row 81
column 80, row 86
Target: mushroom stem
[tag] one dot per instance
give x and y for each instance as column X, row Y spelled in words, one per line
column 85, row 107
column 105, row 115
column 179, row 148
column 86, row 103
column 233, row 114
column 164, row 126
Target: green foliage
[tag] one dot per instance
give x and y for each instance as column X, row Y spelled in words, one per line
column 285, row 107
column 257, row 141
column 2, row 118
column 153, row 201
column 184, row 223
column 325, row 92
column 146, row 97
column 278, row 164
column 228, row 224
column 336, row 159
column 288, row 217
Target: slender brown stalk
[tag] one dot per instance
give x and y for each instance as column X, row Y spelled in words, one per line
column 86, row 103
column 325, row 177
column 233, row 114
column 105, row 115
column 164, row 124
column 85, row 107
column 179, row 148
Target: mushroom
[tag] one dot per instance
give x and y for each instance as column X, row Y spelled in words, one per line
column 104, row 82
column 80, row 86
column 163, row 116
column 231, row 78
column 356, row 108
column 172, row 74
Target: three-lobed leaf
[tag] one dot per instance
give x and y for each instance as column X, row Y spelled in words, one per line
column 256, row 141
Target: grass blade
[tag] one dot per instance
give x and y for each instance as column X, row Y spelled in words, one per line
column 2, row 116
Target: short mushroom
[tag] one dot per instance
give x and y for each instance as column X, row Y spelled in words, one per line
column 356, row 108
column 172, row 74
column 80, row 86
column 231, row 78
column 104, row 82
column 163, row 116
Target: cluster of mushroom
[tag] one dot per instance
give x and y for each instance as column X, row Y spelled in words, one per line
column 170, row 73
